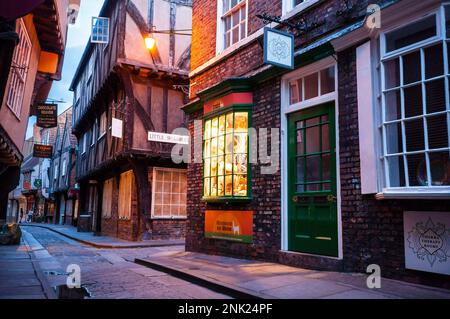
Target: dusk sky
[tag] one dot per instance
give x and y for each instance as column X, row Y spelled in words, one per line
column 78, row 36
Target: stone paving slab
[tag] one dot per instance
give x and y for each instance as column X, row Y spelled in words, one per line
column 272, row 280
column 102, row 241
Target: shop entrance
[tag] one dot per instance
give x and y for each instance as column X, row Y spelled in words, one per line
column 312, row 191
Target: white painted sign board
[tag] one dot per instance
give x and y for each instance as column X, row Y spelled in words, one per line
column 278, row 48
column 168, row 138
column 427, row 241
column 116, row 130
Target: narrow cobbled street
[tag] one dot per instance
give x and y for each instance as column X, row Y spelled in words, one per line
column 105, row 273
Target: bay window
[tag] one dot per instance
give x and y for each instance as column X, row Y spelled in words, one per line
column 225, row 156
column 415, row 103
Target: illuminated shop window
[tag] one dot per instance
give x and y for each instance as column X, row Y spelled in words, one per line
column 225, row 156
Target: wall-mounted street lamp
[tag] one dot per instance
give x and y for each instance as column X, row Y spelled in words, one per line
column 150, row 40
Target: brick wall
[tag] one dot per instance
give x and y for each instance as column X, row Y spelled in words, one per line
column 372, row 230
column 133, row 229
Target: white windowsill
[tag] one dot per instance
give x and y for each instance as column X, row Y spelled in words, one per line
column 290, row 12
column 418, row 193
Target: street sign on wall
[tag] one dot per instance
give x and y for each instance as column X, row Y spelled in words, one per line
column 168, row 138
column 229, row 225
column 47, row 115
column 278, row 48
column 42, row 151
column 427, row 241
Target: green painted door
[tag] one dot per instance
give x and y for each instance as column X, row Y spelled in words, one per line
column 312, row 214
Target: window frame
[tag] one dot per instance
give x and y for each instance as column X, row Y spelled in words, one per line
column 290, row 9
column 107, row 27
column 236, row 108
column 166, row 216
column 220, row 32
column 64, row 168
column 18, row 77
column 442, row 38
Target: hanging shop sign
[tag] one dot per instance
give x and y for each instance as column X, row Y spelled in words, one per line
column 37, row 183
column 42, row 151
column 278, row 48
column 168, row 138
column 47, row 115
column 427, row 241
column 229, row 225
column 116, row 128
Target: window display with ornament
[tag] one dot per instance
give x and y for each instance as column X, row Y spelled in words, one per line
column 225, row 156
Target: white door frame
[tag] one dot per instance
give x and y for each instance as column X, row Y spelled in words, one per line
column 287, row 109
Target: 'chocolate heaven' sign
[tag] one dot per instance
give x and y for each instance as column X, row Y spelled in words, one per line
column 47, row 115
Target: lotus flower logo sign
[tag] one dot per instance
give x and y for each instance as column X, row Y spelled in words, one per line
column 428, row 241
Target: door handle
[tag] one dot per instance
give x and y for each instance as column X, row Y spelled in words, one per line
column 295, row 199
column 331, row 199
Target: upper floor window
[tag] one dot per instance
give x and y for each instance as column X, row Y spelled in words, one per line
column 233, row 20
column 289, row 5
column 415, row 108
column 100, row 30
column 19, row 70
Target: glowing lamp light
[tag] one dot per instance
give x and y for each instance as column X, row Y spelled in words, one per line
column 150, row 42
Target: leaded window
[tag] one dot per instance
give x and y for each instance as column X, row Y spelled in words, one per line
column 225, row 156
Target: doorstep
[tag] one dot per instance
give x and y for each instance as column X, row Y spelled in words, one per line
column 103, row 241
column 255, row 279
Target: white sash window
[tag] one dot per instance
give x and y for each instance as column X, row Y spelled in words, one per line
column 415, row 110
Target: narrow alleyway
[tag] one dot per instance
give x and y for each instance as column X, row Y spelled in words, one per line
column 104, row 273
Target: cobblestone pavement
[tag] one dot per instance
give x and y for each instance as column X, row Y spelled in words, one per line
column 108, row 273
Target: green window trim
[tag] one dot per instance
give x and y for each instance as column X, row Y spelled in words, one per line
column 222, row 157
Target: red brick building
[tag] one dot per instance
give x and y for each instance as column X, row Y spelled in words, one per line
column 363, row 122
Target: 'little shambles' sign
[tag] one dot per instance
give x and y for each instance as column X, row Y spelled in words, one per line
column 47, row 115
column 427, row 241
column 229, row 225
column 168, row 138
column 42, row 151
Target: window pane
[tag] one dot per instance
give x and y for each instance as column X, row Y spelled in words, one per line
column 240, row 162
column 235, row 18
column 417, row 170
column 222, row 125
column 206, row 187
column 300, row 142
column 412, row 68
column 235, row 35
column 313, row 139
column 440, row 168
column 207, row 129
column 413, row 101
column 393, row 110
column 327, row 80
column 447, row 20
column 240, row 185
column 414, row 135
column 434, row 61
column 228, row 185
column 325, row 137
column 241, row 122
column 295, row 91
column 435, row 91
column 411, row 34
column 311, row 86
column 326, row 167
column 437, row 131
column 394, row 138
column 313, row 168
column 242, row 26
column 392, row 73
column 300, row 170
column 396, row 171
